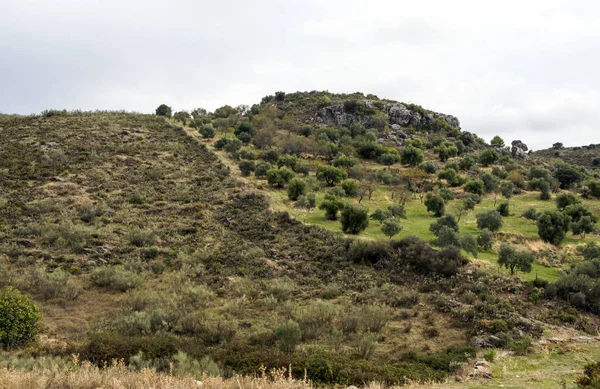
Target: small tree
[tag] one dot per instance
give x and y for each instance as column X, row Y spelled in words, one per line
column 513, row 259
column 492, row 220
column 557, row 146
column 411, row 156
column 488, row 157
column 331, row 208
column 380, row 215
column 474, row 186
column 387, row 159
column 289, row 336
column 350, row 187
column 19, row 318
column 344, row 161
column 503, row 209
column 296, row 188
column 390, row 227
column 246, row 167
column 444, row 221
column 446, row 150
column 163, row 110
column 507, row 189
column 207, row 131
column 585, row 225
column 485, row 239
column 279, row 177
column 553, row 226
column 435, row 204
column 563, row 200
column 354, row 219
column 261, row 169
column 497, row 142
column 397, row 210
column 182, row 117
column 331, row 175
column 469, row 244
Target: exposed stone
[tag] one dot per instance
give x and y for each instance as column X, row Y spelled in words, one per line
column 396, row 127
column 518, row 152
column 519, row 144
column 583, row 339
column 556, row 340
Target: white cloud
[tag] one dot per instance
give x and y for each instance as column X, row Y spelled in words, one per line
column 520, row 69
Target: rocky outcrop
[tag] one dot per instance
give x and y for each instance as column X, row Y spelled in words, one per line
column 518, row 149
column 398, row 114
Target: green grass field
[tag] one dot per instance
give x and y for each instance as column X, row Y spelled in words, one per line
column 515, row 228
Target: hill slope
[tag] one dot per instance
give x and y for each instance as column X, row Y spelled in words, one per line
column 133, row 236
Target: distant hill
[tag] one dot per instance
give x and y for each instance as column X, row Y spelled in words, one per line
column 586, row 156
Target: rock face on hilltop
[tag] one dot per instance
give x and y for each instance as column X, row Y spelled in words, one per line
column 519, row 149
column 397, row 114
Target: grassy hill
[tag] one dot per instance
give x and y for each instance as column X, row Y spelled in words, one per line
column 141, row 240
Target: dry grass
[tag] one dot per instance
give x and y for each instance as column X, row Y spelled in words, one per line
column 88, row 376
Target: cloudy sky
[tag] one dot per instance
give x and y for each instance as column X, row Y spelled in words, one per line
column 523, row 69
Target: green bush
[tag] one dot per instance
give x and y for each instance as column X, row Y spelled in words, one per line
column 141, row 237
column 530, row 213
column 485, row 239
column 207, row 131
column 390, row 227
column 296, row 188
column 435, row 204
column 289, row 336
column 163, row 110
column 503, row 209
column 492, row 220
column 350, row 187
column 354, row 219
column 246, row 167
column 116, row 278
column 19, row 318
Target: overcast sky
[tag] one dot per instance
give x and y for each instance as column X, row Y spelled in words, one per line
column 522, row 69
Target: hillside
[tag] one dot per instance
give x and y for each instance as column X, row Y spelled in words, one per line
column 587, row 156
column 148, row 239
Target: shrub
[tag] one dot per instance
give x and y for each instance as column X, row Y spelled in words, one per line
column 446, row 194
column 591, row 377
column 141, row 237
column 474, row 186
column 485, row 239
column 492, row 220
column 374, row 317
column 513, row 259
column 387, row 159
column 207, row 131
column 289, row 161
column 553, row 226
column 354, row 219
column 289, row 336
column 116, row 278
column 19, row 318
column 434, row 204
column 344, row 161
column 163, row 110
column 488, row 157
column 444, row 221
column 331, row 175
column 391, row 227
column 565, row 199
column 428, row 167
column 279, row 177
column 446, row 236
column 271, row 156
column 369, row 252
column 365, row 346
column 331, row 207
column 296, row 188
column 261, row 169
column 411, row 156
column 397, row 210
column 469, row 244
column 503, row 209
column 350, row 187
column 246, row 167
column 530, row 213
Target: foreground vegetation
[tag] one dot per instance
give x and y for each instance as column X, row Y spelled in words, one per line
column 217, row 243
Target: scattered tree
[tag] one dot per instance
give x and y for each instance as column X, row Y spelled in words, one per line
column 331, row 207
column 565, row 199
column 492, row 220
column 497, row 142
column 296, row 188
column 246, row 167
column 435, row 204
column 354, row 219
column 552, row 226
column 512, row 259
column 411, row 156
column 485, row 239
column 331, row 175
column 163, row 110
column 390, row 227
